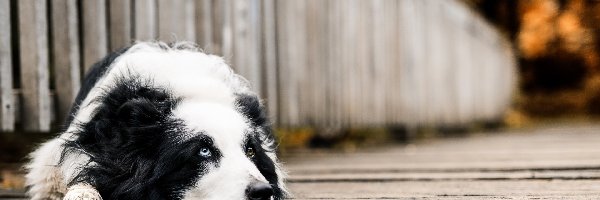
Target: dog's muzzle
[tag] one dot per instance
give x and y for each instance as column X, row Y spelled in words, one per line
column 259, row 191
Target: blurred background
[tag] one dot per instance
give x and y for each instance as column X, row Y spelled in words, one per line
column 335, row 73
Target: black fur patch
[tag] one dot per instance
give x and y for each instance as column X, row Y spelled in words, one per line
column 251, row 108
column 136, row 147
column 265, row 165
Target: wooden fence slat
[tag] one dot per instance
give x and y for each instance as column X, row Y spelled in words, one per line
column 379, row 56
column 364, row 63
column 321, row 93
column 255, row 32
column 95, row 38
column 65, row 53
column 119, row 23
column 145, row 20
column 336, row 63
column 176, row 20
column 347, row 44
column 33, row 48
column 204, row 24
column 269, row 58
column 313, row 63
column 7, row 107
column 282, row 62
column 217, row 26
column 246, row 48
column 299, row 94
column 226, row 32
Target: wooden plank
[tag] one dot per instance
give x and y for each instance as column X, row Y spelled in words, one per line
column 241, row 35
column 226, row 32
column 347, row 36
column 246, row 48
column 95, row 33
column 217, row 30
column 7, row 104
column 451, row 64
column 299, row 93
column 380, row 59
column 119, row 23
column 336, row 64
column 254, row 50
column 222, row 28
column 176, row 20
column 365, row 64
column 313, row 63
column 269, row 59
column 291, row 57
column 548, row 147
column 283, row 81
column 33, row 48
column 445, row 176
column 528, row 164
column 322, row 94
column 65, row 53
column 145, row 20
column 204, row 24
column 298, row 64
column 528, row 189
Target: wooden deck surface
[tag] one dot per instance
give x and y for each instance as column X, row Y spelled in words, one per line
column 543, row 163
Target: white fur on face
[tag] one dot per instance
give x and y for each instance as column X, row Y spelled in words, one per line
column 227, row 128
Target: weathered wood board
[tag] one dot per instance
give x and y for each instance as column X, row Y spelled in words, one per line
column 119, row 23
column 35, row 77
column 7, row 102
column 95, row 32
column 66, row 63
column 544, row 163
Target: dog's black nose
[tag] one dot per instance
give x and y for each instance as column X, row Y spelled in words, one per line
column 259, row 191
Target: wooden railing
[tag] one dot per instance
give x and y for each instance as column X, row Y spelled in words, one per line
column 334, row 63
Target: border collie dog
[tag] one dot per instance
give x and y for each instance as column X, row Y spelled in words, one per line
column 161, row 121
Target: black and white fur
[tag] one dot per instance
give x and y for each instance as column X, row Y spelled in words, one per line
column 162, row 121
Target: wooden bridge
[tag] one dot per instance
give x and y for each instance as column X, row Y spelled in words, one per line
column 560, row 162
column 557, row 162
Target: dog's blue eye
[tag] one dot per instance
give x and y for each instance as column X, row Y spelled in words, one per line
column 205, row 152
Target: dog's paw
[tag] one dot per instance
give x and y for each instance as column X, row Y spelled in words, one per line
column 82, row 192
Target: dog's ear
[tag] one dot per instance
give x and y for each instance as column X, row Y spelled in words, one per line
column 134, row 102
column 131, row 113
column 250, row 106
column 127, row 139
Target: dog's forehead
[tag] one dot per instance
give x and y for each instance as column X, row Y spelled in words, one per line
column 190, row 75
column 226, row 126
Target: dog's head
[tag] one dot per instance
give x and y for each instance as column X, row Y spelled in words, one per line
column 158, row 121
